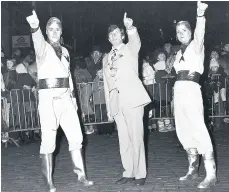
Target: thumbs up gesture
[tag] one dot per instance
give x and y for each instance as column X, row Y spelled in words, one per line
column 33, row 20
column 201, row 8
column 128, row 22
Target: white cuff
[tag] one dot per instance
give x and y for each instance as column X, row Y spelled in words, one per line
column 131, row 31
column 200, row 19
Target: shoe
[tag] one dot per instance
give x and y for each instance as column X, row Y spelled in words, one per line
column 139, row 182
column 124, row 180
column 89, row 132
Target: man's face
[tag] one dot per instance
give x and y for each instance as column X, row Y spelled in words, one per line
column 100, row 74
column 161, row 57
column 183, row 34
column 17, row 52
column 115, row 37
column 214, row 55
column 167, row 48
column 95, row 53
column 9, row 64
column 54, row 32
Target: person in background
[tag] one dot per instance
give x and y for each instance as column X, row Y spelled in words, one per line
column 99, row 102
column 99, row 97
column 27, row 83
column 17, row 55
column 82, row 81
column 148, row 74
column 57, row 104
column 163, row 93
column 188, row 103
column 14, row 99
column 217, row 79
column 94, row 61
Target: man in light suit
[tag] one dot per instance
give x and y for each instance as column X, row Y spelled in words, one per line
column 125, row 99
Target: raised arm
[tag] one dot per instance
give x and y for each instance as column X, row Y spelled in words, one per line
column 134, row 42
column 37, row 36
column 200, row 26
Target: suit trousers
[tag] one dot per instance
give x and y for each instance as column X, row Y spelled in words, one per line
column 129, row 122
column 189, row 117
column 54, row 112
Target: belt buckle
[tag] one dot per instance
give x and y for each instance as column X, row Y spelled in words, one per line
column 51, row 82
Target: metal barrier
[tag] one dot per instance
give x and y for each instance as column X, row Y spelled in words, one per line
column 162, row 99
column 92, row 102
column 19, row 113
column 20, row 107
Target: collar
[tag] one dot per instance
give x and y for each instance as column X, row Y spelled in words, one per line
column 117, row 47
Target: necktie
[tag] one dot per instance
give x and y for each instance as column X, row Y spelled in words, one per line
column 114, row 54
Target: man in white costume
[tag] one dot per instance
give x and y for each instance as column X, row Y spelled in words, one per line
column 57, row 106
column 188, row 103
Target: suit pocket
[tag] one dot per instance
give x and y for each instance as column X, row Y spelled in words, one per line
column 114, row 102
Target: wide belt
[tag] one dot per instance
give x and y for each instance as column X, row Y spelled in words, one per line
column 53, row 83
column 185, row 76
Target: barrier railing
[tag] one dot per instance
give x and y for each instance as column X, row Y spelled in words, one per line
column 19, row 112
column 92, row 102
column 20, row 107
column 162, row 99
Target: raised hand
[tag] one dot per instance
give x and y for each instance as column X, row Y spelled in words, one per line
column 128, row 22
column 201, row 8
column 33, row 20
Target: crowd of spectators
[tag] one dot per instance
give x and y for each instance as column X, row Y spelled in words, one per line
column 19, row 88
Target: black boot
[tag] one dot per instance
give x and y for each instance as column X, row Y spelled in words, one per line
column 79, row 169
column 193, row 159
column 47, row 167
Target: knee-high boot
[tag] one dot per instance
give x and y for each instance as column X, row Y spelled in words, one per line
column 193, row 159
column 210, row 167
column 79, row 169
column 47, row 167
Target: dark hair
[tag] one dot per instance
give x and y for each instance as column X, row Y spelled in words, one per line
column 111, row 28
column 80, row 62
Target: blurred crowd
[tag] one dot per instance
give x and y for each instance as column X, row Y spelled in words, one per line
column 19, row 88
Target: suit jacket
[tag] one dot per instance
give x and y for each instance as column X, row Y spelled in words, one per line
column 126, row 81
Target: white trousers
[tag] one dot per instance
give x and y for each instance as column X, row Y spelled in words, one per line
column 131, row 140
column 189, row 117
column 54, row 112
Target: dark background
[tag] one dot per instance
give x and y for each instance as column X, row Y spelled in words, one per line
column 87, row 22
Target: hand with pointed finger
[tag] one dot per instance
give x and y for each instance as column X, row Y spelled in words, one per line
column 201, row 8
column 33, row 20
column 128, row 22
